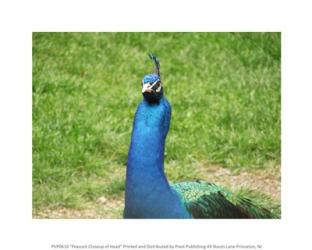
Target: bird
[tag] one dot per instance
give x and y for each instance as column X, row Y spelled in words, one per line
column 148, row 193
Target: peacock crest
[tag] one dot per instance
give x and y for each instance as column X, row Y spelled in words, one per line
column 156, row 63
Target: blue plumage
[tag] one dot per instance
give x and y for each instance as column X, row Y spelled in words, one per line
column 150, row 78
column 148, row 193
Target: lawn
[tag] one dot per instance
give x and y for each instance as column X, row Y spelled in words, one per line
column 224, row 89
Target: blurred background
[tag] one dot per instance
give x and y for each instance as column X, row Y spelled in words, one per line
column 224, row 89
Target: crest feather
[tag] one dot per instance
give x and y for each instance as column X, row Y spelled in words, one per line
column 156, row 63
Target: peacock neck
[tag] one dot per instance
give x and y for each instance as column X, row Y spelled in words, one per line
column 146, row 154
column 148, row 193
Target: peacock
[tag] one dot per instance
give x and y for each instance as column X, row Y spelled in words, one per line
column 148, row 193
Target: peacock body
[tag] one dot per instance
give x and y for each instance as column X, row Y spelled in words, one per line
column 148, row 192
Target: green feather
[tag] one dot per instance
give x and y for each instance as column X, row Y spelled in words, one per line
column 207, row 200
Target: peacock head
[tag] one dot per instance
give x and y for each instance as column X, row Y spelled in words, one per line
column 152, row 89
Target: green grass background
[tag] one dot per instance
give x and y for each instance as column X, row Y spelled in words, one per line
column 224, row 89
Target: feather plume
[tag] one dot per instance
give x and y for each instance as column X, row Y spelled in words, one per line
column 156, row 63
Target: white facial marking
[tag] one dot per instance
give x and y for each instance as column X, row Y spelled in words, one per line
column 159, row 88
column 153, row 84
column 146, row 88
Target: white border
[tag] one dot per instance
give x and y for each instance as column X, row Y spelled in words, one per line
column 20, row 18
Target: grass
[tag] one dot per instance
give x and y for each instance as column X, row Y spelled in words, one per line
column 224, row 89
